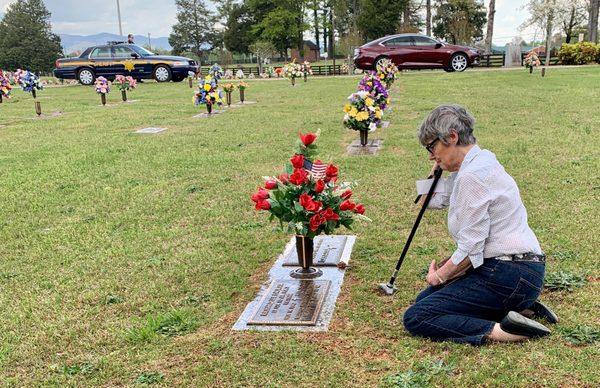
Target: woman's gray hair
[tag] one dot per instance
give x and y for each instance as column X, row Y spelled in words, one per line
column 442, row 120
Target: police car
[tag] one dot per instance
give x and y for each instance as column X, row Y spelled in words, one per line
column 122, row 58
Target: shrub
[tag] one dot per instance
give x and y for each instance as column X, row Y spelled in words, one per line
column 579, row 53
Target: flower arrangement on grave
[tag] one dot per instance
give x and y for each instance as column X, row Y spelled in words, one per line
column 532, row 60
column 308, row 199
column 278, row 72
column 228, row 88
column 242, row 88
column 362, row 114
column 306, row 70
column 30, row 83
column 191, row 76
column 16, row 77
column 102, row 86
column 208, row 94
column 5, row 87
column 386, row 70
column 372, row 84
column 124, row 84
column 239, row 74
column 216, row 72
column 345, row 69
column 271, row 72
column 292, row 71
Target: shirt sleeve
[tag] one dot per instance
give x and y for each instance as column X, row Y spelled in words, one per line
column 472, row 201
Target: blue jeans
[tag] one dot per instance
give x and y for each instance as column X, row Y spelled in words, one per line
column 466, row 309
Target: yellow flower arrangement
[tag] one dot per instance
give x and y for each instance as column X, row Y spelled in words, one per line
column 362, row 116
column 347, row 108
column 369, row 101
column 353, row 112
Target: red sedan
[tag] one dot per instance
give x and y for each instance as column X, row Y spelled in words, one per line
column 415, row 51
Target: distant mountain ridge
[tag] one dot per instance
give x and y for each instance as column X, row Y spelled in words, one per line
column 72, row 43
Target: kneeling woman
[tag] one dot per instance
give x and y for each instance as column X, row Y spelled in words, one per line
column 497, row 269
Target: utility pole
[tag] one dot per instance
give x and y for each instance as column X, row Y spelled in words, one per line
column 119, row 13
column 149, row 44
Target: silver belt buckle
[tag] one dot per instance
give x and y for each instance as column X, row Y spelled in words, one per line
column 504, row 258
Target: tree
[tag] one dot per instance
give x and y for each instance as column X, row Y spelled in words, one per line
column 490, row 26
column 280, row 22
column 542, row 14
column 262, row 50
column 280, row 27
column 195, row 28
column 428, row 17
column 378, row 18
column 593, row 21
column 26, row 38
column 459, row 21
column 570, row 15
column 237, row 35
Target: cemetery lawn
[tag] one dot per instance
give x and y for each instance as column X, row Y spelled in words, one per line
column 126, row 258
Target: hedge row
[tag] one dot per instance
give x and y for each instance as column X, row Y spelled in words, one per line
column 579, row 53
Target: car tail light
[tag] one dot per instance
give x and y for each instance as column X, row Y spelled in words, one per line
column 57, row 64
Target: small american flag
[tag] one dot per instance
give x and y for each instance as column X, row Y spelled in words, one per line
column 316, row 169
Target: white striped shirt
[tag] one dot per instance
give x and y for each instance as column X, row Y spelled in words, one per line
column 486, row 216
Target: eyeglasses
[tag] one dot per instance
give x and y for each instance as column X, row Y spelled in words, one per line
column 429, row 147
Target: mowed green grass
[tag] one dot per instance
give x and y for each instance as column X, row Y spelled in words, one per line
column 126, row 258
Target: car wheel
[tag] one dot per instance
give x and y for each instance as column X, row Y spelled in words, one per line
column 162, row 73
column 379, row 61
column 459, row 62
column 86, row 76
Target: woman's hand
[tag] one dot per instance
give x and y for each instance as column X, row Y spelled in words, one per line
column 433, row 278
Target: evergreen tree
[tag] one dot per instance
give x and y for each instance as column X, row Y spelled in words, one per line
column 237, row 35
column 378, row 18
column 195, row 28
column 459, row 21
column 26, row 38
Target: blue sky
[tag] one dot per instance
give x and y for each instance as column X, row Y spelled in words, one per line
column 157, row 16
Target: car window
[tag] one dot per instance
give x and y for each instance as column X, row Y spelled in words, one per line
column 424, row 41
column 122, row 52
column 399, row 41
column 100, row 52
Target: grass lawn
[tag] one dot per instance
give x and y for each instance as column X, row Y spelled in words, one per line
column 126, row 258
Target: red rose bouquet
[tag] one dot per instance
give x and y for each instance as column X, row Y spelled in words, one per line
column 307, row 198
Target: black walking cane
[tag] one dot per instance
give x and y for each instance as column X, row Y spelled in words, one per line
column 388, row 288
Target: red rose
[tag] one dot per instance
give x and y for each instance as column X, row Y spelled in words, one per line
column 346, row 194
column 316, row 221
column 270, row 184
column 360, row 209
column 347, row 205
column 263, row 205
column 307, row 203
column 260, row 195
column 297, row 161
column 299, row 177
column 308, row 139
column 329, row 214
column 331, row 173
column 320, row 186
column 284, row 178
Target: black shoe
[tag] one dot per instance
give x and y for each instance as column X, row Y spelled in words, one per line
column 515, row 323
column 540, row 310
